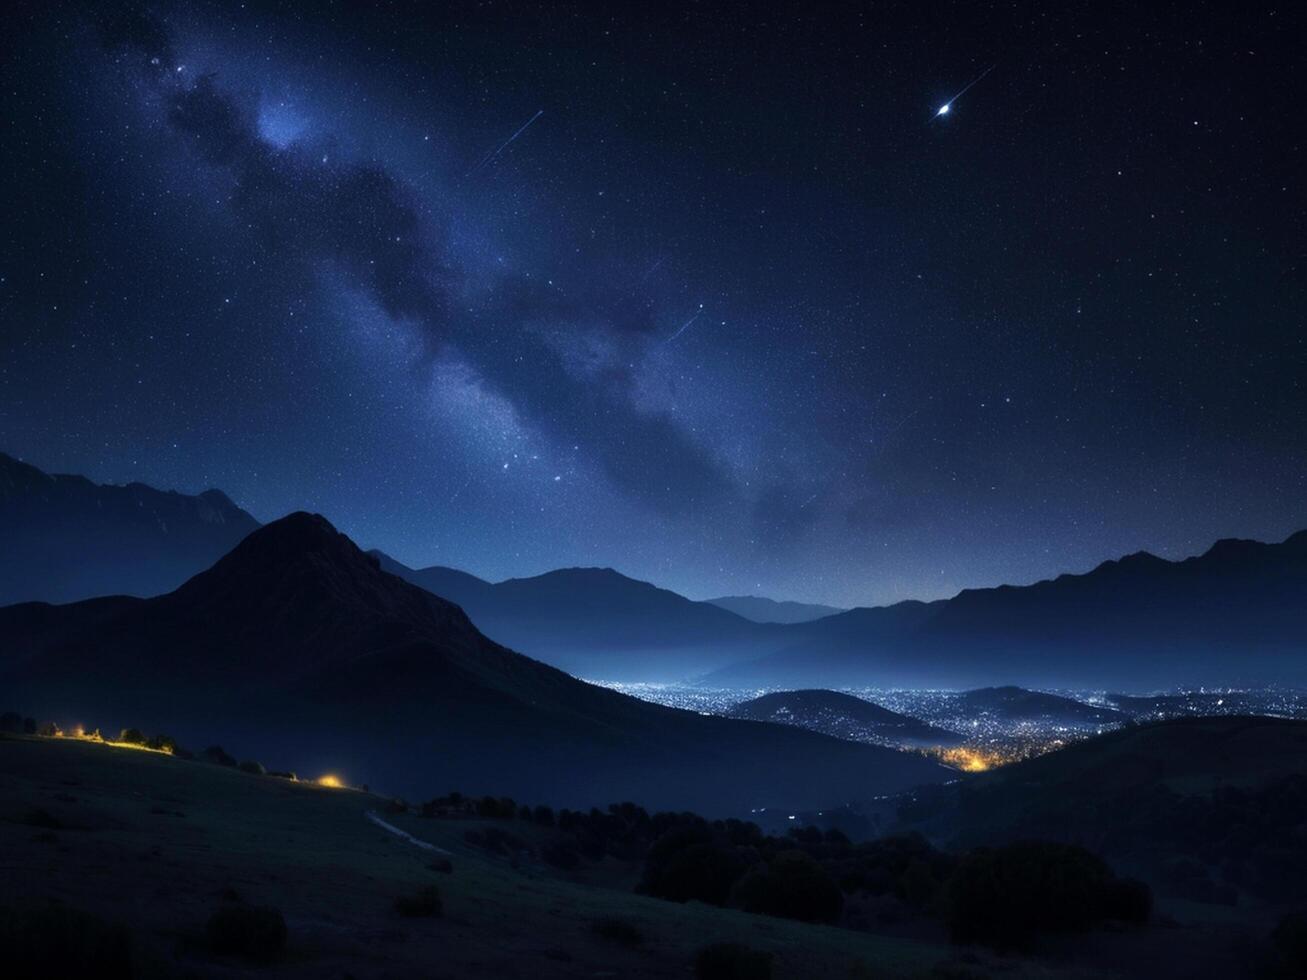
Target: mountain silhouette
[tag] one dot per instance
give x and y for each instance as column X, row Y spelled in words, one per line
column 298, row 648
column 67, row 538
column 596, row 622
column 1235, row 615
column 761, row 610
column 843, row 716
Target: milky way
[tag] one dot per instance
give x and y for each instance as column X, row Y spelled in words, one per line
column 300, row 258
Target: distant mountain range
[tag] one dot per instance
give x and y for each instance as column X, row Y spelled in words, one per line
column 67, row 538
column 595, row 622
column 298, row 648
column 1236, row 615
column 761, row 610
column 844, row 716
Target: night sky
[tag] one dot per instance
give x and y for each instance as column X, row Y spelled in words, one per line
column 708, row 294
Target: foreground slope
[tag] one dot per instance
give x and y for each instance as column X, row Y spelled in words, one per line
column 67, row 538
column 1212, row 810
column 158, row 845
column 297, row 648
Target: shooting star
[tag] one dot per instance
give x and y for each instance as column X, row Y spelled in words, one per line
column 947, row 107
column 504, row 145
column 685, row 326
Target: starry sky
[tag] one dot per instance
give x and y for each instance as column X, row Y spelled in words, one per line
column 707, row 293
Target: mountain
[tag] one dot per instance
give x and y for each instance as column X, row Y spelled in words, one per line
column 595, row 622
column 843, row 716
column 1015, row 704
column 760, row 610
column 298, row 649
column 67, row 538
column 1235, row 615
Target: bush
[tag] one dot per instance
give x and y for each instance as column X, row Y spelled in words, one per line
column 423, row 903
column 253, row 768
column 162, row 743
column 543, row 816
column 793, row 886
column 256, row 933
column 619, row 931
column 29, row 726
column 132, row 736
column 218, row 756
column 283, row 774
column 731, row 961
column 12, row 722
column 1290, row 941
column 692, row 863
column 42, row 944
column 1001, row 897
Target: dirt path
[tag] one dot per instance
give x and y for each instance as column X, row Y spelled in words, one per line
column 403, row 834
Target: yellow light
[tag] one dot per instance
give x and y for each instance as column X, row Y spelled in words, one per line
column 80, row 734
column 331, row 782
column 971, row 759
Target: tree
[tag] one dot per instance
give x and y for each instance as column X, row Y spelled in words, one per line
column 792, row 886
column 1001, row 897
column 692, row 863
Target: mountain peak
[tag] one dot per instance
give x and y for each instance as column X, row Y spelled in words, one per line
column 293, row 539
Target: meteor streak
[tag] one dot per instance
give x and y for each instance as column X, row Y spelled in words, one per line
column 504, row 145
column 685, row 326
column 948, row 106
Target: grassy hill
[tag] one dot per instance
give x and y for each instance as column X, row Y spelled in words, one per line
column 159, row 844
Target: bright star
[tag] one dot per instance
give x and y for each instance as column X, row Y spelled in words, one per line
column 943, row 110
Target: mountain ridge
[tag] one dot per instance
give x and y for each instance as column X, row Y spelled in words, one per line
column 299, row 643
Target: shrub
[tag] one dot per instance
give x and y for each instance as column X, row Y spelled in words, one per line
column 424, row 903
column 11, row 721
column 793, row 886
column 256, row 933
column 218, row 756
column 253, row 768
column 543, row 816
column 132, row 736
column 1001, row 897
column 1290, row 941
column 1128, row 900
column 29, row 726
column 62, row 942
column 162, row 743
column 731, row 961
column 692, row 863
column 619, row 931
column 282, row 774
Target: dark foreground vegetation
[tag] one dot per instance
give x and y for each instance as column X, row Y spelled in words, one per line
column 1000, row 897
column 1014, row 897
